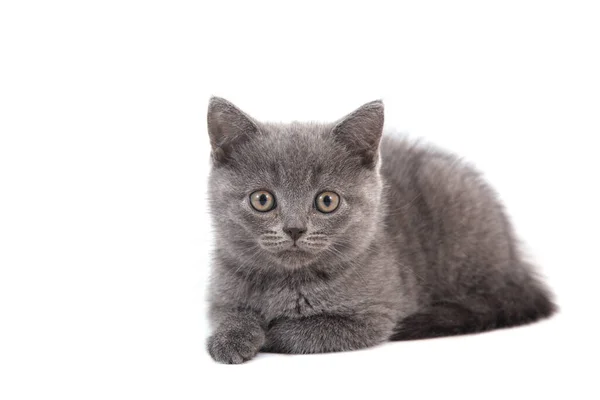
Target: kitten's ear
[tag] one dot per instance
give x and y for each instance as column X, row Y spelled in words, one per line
column 227, row 126
column 360, row 131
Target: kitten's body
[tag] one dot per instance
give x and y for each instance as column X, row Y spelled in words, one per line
column 459, row 244
column 419, row 248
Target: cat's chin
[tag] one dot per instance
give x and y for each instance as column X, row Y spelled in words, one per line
column 294, row 257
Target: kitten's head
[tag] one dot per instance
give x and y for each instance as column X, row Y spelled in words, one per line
column 288, row 196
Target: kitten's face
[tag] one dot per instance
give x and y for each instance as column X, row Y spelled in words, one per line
column 291, row 196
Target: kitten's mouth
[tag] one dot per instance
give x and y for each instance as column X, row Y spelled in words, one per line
column 294, row 249
column 300, row 249
column 296, row 253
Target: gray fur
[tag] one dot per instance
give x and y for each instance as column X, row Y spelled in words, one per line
column 419, row 246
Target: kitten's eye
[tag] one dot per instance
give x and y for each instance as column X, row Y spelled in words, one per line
column 327, row 202
column 262, row 201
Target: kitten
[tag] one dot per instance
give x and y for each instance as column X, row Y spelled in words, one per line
column 332, row 238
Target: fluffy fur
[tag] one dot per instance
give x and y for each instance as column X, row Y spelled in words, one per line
column 419, row 246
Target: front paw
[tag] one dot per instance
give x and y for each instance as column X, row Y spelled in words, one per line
column 235, row 346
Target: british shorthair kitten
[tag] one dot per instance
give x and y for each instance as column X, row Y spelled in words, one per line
column 334, row 237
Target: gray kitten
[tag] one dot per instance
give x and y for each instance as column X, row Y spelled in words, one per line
column 332, row 238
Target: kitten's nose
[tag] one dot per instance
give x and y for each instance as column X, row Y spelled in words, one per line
column 294, row 233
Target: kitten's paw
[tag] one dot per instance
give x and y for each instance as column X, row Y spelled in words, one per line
column 235, row 346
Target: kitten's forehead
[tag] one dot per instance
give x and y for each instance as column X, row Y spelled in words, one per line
column 298, row 147
column 296, row 155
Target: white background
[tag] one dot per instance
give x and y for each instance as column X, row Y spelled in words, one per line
column 104, row 235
